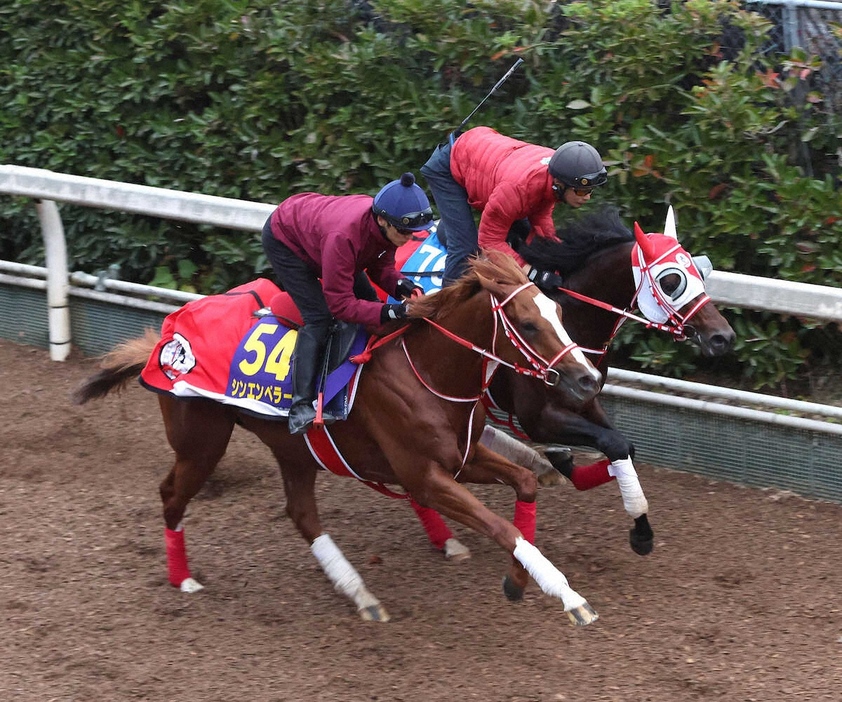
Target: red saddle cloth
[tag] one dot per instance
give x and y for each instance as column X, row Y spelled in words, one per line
column 218, row 349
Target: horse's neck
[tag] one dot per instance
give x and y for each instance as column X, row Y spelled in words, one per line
column 445, row 361
column 606, row 276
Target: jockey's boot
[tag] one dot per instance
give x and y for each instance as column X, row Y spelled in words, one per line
column 305, row 365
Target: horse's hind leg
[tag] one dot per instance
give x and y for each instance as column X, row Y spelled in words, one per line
column 440, row 535
column 198, row 432
column 299, row 476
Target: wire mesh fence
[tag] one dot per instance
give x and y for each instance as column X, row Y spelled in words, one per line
column 816, row 27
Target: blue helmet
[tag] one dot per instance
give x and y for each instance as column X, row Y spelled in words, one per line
column 404, row 204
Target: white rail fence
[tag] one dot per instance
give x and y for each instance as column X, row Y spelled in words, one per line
column 48, row 188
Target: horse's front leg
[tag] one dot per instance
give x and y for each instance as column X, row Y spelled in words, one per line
column 299, row 476
column 515, row 451
column 436, row 488
column 521, row 454
column 486, row 467
column 592, row 428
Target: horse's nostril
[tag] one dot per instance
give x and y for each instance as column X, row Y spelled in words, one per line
column 588, row 384
column 722, row 342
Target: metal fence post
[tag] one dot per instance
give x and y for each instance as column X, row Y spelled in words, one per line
column 58, row 283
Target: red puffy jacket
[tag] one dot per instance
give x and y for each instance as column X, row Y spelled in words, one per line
column 506, row 180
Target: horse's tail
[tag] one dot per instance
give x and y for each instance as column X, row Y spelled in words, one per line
column 119, row 366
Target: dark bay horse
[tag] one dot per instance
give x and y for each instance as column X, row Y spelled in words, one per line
column 415, row 422
column 608, row 271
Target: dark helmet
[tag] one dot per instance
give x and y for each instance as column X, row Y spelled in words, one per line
column 404, row 204
column 579, row 165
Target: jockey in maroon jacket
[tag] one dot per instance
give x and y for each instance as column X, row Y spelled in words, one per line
column 506, row 180
column 340, row 239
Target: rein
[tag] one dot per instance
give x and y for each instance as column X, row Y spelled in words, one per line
column 541, row 368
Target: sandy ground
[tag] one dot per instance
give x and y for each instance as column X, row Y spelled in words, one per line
column 740, row 600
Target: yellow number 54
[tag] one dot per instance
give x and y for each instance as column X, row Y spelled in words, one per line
column 277, row 360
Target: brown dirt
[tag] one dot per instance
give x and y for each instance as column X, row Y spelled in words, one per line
column 740, row 600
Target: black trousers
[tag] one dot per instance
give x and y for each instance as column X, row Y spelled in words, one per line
column 303, row 285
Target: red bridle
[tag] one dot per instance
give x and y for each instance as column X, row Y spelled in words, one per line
column 540, row 367
column 676, row 323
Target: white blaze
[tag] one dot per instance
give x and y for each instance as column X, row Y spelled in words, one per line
column 549, row 311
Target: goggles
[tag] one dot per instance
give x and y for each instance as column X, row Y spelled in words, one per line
column 590, row 180
column 413, row 220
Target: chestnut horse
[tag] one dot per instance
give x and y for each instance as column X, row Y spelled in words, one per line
column 608, row 270
column 415, row 422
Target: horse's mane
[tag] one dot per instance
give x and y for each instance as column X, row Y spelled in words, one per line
column 580, row 238
column 491, row 265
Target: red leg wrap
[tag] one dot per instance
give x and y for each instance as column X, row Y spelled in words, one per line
column 437, row 530
column 587, row 477
column 176, row 557
column 525, row 519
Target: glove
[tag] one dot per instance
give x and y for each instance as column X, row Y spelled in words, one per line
column 406, row 289
column 390, row 313
column 546, row 280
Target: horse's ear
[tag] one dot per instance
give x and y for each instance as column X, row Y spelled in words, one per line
column 493, row 286
column 669, row 225
column 644, row 243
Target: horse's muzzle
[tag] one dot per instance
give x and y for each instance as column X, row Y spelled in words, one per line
column 712, row 345
column 582, row 386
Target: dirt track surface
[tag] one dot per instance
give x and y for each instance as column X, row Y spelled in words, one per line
column 741, row 599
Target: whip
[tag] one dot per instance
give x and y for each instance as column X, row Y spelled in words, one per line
column 490, row 93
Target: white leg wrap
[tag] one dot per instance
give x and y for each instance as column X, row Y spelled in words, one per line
column 346, row 580
column 549, row 578
column 633, row 498
column 516, row 451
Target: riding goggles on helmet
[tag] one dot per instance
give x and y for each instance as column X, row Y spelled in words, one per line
column 591, row 180
column 412, row 220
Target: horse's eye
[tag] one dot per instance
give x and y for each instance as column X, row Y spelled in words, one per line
column 670, row 283
column 529, row 328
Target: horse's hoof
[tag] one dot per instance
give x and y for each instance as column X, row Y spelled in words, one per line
column 374, row 613
column 642, row 547
column 561, row 459
column 513, row 592
column 455, row 551
column 583, row 615
column 641, row 537
column 551, row 478
column 189, row 585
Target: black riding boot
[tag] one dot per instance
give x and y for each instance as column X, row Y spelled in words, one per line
column 305, row 366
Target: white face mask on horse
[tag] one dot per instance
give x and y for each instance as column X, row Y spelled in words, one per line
column 666, row 276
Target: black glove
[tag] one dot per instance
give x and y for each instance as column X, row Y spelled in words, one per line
column 406, row 289
column 390, row 313
column 546, row 280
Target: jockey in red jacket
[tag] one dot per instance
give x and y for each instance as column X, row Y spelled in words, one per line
column 506, row 180
column 339, row 239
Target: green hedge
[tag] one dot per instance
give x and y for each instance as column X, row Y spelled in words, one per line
column 256, row 100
